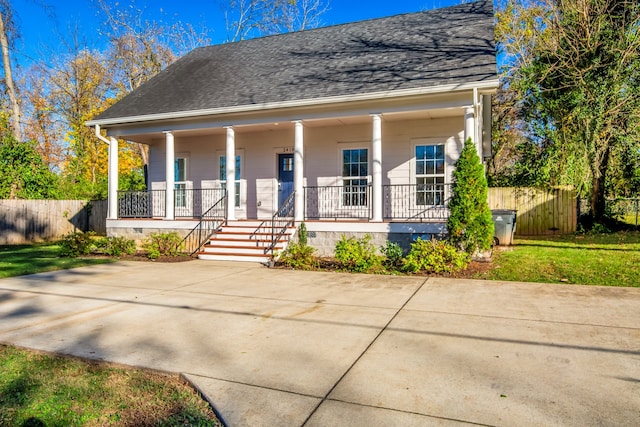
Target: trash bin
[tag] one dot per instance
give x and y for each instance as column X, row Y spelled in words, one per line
column 504, row 221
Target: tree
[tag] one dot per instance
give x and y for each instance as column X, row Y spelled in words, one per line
column 577, row 75
column 81, row 82
column 24, row 174
column 40, row 118
column 140, row 49
column 7, row 33
column 253, row 18
column 470, row 224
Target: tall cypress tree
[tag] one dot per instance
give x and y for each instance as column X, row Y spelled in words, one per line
column 470, row 224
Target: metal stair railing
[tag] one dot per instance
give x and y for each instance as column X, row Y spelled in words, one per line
column 210, row 223
column 278, row 224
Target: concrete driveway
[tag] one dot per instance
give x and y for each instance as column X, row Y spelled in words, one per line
column 287, row 348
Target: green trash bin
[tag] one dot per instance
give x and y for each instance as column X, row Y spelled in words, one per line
column 504, row 222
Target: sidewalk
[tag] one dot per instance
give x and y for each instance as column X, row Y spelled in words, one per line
column 275, row 347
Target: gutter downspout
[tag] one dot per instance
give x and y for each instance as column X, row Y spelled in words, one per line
column 112, row 212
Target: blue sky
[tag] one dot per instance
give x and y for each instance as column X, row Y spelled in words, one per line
column 39, row 30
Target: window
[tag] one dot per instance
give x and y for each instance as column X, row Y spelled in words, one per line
column 287, row 164
column 355, row 168
column 430, row 160
column 180, row 176
column 223, row 177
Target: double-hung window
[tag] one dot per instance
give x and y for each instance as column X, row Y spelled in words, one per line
column 430, row 161
column 223, row 176
column 180, row 174
column 355, row 168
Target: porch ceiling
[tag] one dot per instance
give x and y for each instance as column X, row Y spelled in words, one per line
column 425, row 114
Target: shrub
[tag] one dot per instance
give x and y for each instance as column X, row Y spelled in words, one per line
column 393, row 254
column 433, row 256
column 76, row 243
column 162, row 244
column 302, row 234
column 116, row 246
column 299, row 256
column 470, row 224
column 358, row 255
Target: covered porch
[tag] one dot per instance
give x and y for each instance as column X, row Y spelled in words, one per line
column 394, row 165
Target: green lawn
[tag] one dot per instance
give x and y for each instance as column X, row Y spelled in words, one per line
column 37, row 389
column 602, row 259
column 16, row 260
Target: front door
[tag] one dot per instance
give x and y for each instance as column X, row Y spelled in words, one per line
column 285, row 177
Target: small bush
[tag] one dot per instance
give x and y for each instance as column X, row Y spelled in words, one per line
column 162, row 244
column 116, row 246
column 299, row 256
column 76, row 243
column 393, row 255
column 433, row 256
column 358, row 255
column 302, row 234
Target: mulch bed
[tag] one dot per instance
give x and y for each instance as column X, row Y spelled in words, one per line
column 325, row 264
column 142, row 257
column 474, row 269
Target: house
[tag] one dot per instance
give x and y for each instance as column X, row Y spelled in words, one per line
column 352, row 129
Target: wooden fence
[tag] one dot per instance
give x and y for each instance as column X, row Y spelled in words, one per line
column 28, row 221
column 539, row 211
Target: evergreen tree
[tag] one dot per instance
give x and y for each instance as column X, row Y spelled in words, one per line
column 470, row 224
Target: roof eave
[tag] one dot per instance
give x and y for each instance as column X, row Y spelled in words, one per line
column 484, row 86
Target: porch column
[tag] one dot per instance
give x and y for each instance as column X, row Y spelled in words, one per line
column 113, row 178
column 170, row 179
column 376, row 169
column 231, row 173
column 298, row 171
column 469, row 124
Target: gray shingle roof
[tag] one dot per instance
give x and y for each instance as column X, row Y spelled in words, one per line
column 436, row 47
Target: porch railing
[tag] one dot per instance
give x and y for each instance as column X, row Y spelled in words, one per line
column 409, row 202
column 278, row 225
column 210, row 222
column 141, row 204
column 188, row 203
column 334, row 202
column 416, row 202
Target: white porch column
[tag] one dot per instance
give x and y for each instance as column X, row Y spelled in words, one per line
column 113, row 179
column 298, row 170
column 376, row 169
column 469, row 124
column 231, row 173
column 170, row 179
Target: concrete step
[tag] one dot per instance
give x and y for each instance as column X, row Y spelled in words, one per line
column 214, row 256
column 239, row 235
column 239, row 241
column 236, row 249
column 250, row 230
column 249, row 223
column 226, row 241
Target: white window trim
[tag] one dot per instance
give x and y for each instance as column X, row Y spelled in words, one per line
column 360, row 145
column 413, row 163
column 185, row 197
column 187, row 166
column 241, row 181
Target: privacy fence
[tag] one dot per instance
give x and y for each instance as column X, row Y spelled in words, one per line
column 28, row 221
column 540, row 211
